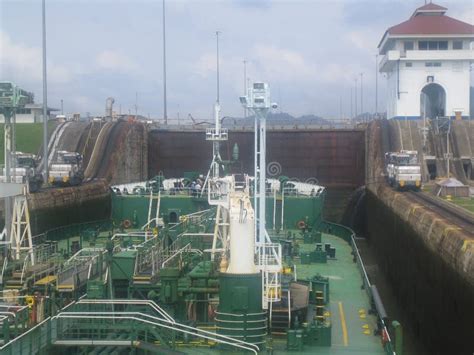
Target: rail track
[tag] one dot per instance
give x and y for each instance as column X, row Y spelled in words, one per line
column 456, row 215
column 101, row 162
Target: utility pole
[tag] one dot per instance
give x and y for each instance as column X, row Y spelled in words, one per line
column 245, row 85
column 355, row 97
column 361, row 95
column 340, row 107
column 351, row 106
column 62, row 107
column 165, row 108
column 45, row 100
column 217, row 54
column 136, row 105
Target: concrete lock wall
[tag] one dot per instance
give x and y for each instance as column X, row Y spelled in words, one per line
column 68, row 205
column 429, row 263
column 430, row 269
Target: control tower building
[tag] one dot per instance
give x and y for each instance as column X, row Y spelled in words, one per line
column 426, row 61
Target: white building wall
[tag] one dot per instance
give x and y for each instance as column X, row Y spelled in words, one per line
column 392, row 94
column 36, row 116
column 453, row 76
column 405, row 83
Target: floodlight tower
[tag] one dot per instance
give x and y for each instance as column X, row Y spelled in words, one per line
column 258, row 102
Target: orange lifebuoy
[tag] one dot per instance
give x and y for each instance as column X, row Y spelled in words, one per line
column 301, row 224
column 126, row 223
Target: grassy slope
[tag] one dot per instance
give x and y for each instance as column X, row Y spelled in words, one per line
column 29, row 137
column 465, row 202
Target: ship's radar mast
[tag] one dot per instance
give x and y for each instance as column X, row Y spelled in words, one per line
column 258, row 102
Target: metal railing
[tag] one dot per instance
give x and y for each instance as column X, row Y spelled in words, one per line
column 31, row 341
column 149, row 257
column 4, row 267
column 186, row 249
column 80, row 268
column 75, row 229
column 349, row 236
column 128, row 320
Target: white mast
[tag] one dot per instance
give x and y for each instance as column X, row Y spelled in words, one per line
column 258, row 102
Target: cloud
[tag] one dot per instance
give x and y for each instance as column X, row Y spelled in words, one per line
column 259, row 4
column 309, row 51
column 206, row 65
column 465, row 15
column 114, row 61
column 364, row 39
column 284, row 64
column 24, row 64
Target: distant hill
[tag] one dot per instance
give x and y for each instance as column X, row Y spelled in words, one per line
column 278, row 119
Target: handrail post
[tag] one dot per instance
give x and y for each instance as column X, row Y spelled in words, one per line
column 397, row 327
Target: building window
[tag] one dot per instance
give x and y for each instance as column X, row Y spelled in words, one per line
column 408, row 64
column 443, row 45
column 408, row 45
column 457, row 44
column 432, row 64
column 433, row 45
column 23, row 111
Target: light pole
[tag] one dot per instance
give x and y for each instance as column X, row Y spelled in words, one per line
column 136, row 105
column 361, row 95
column 245, row 85
column 340, row 107
column 351, row 106
column 45, row 100
column 355, row 97
column 165, row 108
column 217, row 60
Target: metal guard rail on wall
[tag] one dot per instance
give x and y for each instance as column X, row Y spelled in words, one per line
column 76, row 229
column 348, row 235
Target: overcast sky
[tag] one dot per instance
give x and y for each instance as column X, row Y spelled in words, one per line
column 309, row 51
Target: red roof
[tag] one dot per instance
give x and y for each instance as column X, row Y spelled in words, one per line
column 430, row 19
column 432, row 25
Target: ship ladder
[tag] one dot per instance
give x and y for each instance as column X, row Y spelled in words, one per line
column 280, row 315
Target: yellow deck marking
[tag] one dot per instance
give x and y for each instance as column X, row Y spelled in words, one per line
column 366, row 330
column 45, row 280
column 343, row 324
